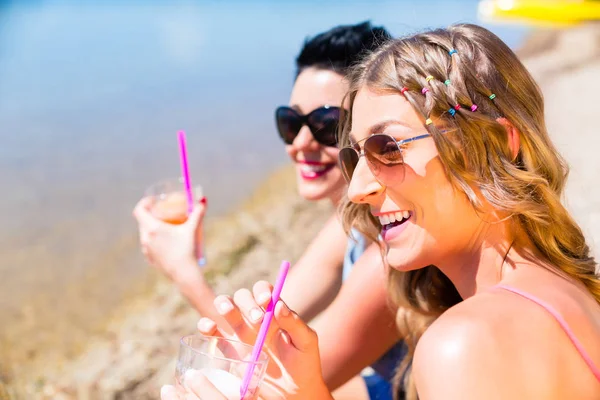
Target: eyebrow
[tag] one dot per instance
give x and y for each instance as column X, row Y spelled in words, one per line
column 380, row 127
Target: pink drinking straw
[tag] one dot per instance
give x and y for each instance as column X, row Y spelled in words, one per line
column 185, row 171
column 264, row 327
column 187, row 183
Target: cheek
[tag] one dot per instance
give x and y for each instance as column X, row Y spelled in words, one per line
column 332, row 153
column 291, row 151
column 428, row 191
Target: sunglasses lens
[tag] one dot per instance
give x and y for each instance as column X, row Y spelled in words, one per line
column 382, row 152
column 324, row 124
column 288, row 124
column 348, row 158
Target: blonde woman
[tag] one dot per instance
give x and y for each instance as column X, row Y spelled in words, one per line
column 448, row 157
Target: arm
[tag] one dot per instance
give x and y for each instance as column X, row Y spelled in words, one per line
column 171, row 249
column 316, row 278
column 359, row 326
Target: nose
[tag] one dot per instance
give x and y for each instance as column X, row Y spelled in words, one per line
column 305, row 141
column 363, row 187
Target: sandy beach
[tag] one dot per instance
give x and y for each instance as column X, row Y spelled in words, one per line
column 133, row 355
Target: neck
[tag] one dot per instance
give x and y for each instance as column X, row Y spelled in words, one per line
column 491, row 257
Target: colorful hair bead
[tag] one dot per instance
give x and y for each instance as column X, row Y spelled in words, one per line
column 404, row 90
column 453, row 51
column 452, row 111
column 457, row 106
column 428, row 121
column 474, row 107
column 429, row 78
column 492, row 96
column 424, row 90
column 447, row 82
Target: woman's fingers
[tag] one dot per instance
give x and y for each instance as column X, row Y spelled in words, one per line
column 262, row 291
column 197, row 215
column 208, row 327
column 244, row 299
column 233, row 316
column 301, row 335
column 253, row 312
column 142, row 213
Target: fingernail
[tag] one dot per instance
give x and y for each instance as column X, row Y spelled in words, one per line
column 206, row 324
column 224, row 305
column 264, row 297
column 255, row 314
column 284, row 310
column 190, row 376
column 203, row 200
column 167, row 390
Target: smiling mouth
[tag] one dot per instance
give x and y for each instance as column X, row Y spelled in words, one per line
column 392, row 220
column 314, row 170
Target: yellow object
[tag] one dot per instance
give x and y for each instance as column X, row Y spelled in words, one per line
column 564, row 12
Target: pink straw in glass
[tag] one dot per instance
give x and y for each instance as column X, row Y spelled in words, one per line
column 264, row 327
column 185, row 171
column 187, row 183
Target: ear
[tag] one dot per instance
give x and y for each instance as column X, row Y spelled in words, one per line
column 514, row 136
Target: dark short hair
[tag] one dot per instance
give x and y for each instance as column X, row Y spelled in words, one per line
column 340, row 47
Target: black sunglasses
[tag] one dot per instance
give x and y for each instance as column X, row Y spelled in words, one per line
column 322, row 122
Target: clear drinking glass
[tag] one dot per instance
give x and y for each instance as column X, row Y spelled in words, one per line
column 223, row 362
column 170, row 205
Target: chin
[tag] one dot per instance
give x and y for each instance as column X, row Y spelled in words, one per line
column 313, row 193
column 319, row 189
column 407, row 257
column 401, row 260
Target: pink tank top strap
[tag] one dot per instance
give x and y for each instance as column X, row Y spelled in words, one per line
column 563, row 324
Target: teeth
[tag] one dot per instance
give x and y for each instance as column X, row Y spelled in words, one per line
column 390, row 218
column 313, row 168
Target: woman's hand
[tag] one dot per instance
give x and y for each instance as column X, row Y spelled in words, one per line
column 170, row 248
column 294, row 370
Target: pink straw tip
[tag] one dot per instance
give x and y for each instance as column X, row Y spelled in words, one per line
column 264, row 327
column 185, row 171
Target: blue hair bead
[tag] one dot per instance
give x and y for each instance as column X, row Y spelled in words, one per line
column 453, row 51
column 452, row 111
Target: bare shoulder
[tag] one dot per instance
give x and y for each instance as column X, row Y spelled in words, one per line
column 493, row 345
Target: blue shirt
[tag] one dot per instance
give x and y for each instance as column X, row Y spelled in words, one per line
column 387, row 364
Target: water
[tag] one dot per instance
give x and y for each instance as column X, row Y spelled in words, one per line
column 91, row 95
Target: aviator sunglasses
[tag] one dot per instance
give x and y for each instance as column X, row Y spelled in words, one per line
column 381, row 152
column 322, row 122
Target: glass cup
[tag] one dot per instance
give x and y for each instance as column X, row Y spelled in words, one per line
column 223, row 362
column 170, row 205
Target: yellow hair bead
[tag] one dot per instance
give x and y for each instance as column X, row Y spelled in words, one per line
column 429, row 78
column 428, row 121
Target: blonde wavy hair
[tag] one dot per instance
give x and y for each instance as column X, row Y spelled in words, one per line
column 471, row 66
